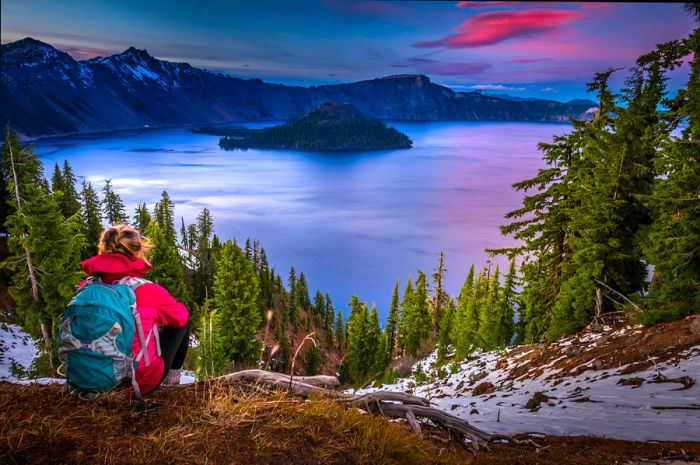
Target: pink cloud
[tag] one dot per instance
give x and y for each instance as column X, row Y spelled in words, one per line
column 85, row 53
column 475, row 5
column 528, row 61
column 496, row 26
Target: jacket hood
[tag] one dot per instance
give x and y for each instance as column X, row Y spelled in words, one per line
column 114, row 266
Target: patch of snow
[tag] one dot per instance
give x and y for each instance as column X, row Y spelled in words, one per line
column 592, row 403
column 140, row 73
column 187, row 377
column 17, row 352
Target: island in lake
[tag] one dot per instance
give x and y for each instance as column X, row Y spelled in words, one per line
column 329, row 127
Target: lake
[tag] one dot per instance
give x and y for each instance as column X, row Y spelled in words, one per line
column 353, row 222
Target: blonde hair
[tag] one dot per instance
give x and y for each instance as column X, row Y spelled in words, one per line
column 123, row 239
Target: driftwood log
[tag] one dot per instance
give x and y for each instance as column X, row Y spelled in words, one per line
column 415, row 410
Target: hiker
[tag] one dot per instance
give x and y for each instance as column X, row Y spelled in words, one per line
column 121, row 255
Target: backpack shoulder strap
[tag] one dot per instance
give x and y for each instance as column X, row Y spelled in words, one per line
column 133, row 282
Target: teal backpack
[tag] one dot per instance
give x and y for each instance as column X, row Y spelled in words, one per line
column 96, row 335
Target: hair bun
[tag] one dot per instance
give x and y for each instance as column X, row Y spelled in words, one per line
column 122, row 239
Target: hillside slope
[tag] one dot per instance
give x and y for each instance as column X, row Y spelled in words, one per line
column 45, row 91
column 616, row 382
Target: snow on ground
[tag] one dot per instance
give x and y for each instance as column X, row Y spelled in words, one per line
column 187, row 377
column 591, row 403
column 17, row 352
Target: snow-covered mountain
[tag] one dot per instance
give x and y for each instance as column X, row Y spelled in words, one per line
column 46, row 92
column 629, row 383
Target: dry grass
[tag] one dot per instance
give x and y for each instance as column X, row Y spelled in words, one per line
column 203, row 424
column 241, row 425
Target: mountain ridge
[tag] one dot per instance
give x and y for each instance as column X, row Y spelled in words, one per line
column 46, row 92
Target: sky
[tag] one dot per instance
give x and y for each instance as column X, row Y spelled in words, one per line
column 524, row 49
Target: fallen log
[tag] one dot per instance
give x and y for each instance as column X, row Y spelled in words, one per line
column 415, row 410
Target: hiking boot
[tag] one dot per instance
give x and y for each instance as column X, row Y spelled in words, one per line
column 173, row 377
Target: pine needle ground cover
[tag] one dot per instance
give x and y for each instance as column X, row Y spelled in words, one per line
column 235, row 425
column 203, row 424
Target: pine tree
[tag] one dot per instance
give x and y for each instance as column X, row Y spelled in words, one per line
column 445, row 336
column 292, row 304
column 608, row 217
column 339, row 331
column 673, row 243
column 543, row 224
column 487, row 332
column 211, row 360
column 505, row 317
column 70, row 202
column 284, row 353
column 248, row 250
column 416, row 323
column 406, row 309
column 167, row 264
column 112, row 205
column 313, row 360
column 236, row 298
column 92, row 219
column 4, row 194
column 439, row 300
column 164, row 216
column 329, row 318
column 357, row 330
column 205, row 253
column 392, row 323
column 142, row 218
column 381, row 356
column 302, row 293
column 466, row 318
column 319, row 307
column 371, row 342
column 57, row 182
column 44, row 247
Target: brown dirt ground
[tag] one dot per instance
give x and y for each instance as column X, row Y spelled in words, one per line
column 200, row 424
column 634, row 348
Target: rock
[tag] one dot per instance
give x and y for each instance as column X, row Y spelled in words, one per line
column 695, row 325
column 483, row 388
column 474, row 412
column 634, row 382
column 534, row 403
column 598, row 364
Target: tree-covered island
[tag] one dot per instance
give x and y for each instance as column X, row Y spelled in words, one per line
column 329, row 127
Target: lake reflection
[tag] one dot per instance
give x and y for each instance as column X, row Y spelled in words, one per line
column 353, row 222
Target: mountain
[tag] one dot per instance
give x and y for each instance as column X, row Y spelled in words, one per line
column 330, row 127
column 46, row 92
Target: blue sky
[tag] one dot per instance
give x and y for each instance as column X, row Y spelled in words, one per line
column 540, row 49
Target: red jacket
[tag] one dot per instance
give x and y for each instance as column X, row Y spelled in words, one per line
column 153, row 302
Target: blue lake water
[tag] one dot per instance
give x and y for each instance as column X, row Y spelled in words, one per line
column 353, row 222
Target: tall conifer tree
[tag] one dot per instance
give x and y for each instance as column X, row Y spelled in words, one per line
column 92, row 218
column 44, row 247
column 236, row 298
column 112, row 205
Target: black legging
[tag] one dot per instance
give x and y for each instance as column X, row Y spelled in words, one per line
column 173, row 347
